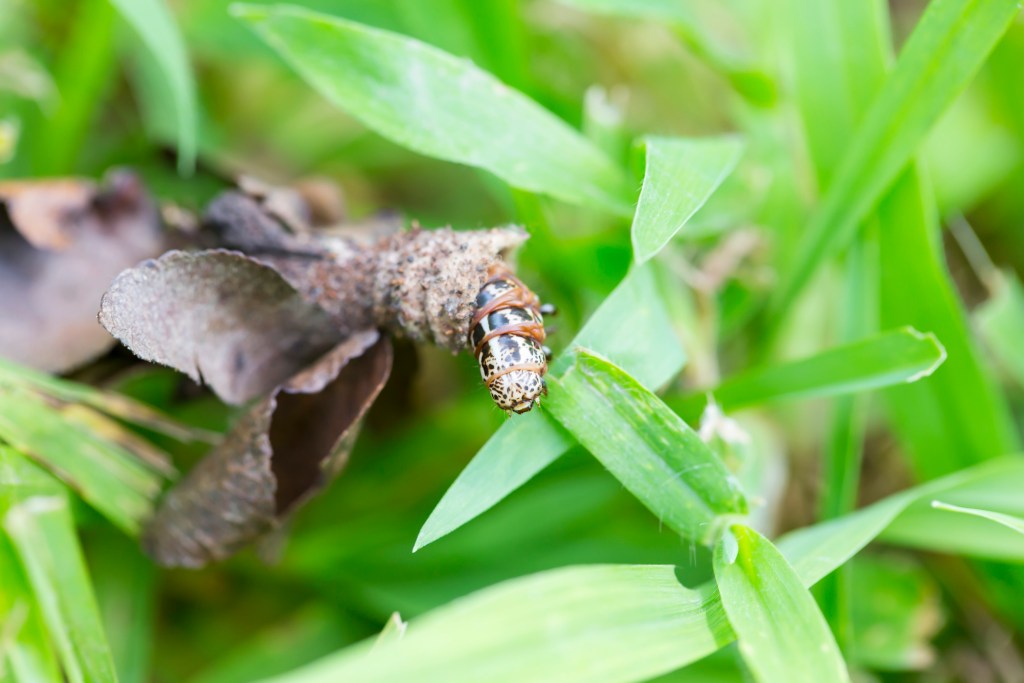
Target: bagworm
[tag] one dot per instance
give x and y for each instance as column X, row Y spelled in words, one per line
column 507, row 336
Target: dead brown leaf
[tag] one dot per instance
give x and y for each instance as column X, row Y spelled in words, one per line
column 220, row 317
column 280, row 452
column 61, row 243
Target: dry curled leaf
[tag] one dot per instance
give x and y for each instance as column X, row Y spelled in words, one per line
column 280, row 452
column 220, row 317
column 61, row 243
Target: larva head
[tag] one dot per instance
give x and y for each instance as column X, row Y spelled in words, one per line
column 517, row 391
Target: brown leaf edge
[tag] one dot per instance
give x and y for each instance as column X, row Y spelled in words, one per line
column 218, row 316
column 279, row 453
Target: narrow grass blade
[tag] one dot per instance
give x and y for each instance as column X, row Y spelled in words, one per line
column 155, row 24
column 646, row 446
column 633, row 329
column 894, row 357
column 681, row 174
column 838, row 52
column 25, row 648
column 113, row 404
column 1009, row 521
column 38, row 522
column 126, row 590
column 53, row 140
column 440, row 106
column 946, row 48
column 957, row 417
column 783, row 637
column 817, row 550
column 108, row 477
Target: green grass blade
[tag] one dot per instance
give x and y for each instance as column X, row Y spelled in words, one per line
column 109, row 402
column 546, row 627
column 155, row 24
column 782, row 635
column 838, row 53
column 633, row 329
column 641, row 619
column 681, row 174
column 894, row 357
column 25, row 648
column 1009, row 521
column 956, row 417
column 817, row 550
column 441, row 106
column 107, row 476
column 945, row 50
column 39, row 525
column 655, row 455
column 53, row 141
column 521, row 448
column 126, row 591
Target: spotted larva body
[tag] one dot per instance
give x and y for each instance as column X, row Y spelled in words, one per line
column 507, row 336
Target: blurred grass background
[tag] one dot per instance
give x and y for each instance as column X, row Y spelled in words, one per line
column 80, row 92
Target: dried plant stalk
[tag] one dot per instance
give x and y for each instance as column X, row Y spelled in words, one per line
column 421, row 283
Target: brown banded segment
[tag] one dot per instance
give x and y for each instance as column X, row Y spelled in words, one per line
column 512, row 312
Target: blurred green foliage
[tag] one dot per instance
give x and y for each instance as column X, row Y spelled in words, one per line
column 866, row 130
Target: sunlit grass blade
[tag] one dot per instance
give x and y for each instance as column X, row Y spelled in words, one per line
column 893, row 357
column 107, row 476
column 26, row 653
column 633, row 329
column 546, row 627
column 441, row 106
column 42, row 532
column 681, row 174
column 155, row 24
column 902, row 518
column 646, row 446
column 1008, row 521
column 113, row 404
column 782, row 635
column 25, row 650
column 641, row 619
column 946, row 48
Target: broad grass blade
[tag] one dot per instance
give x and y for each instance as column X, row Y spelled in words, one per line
column 681, row 174
column 646, row 446
column 441, row 106
column 783, row 637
